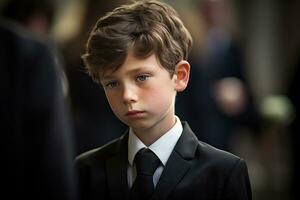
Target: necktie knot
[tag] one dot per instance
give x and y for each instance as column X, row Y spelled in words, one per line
column 146, row 162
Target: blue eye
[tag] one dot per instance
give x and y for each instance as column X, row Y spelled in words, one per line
column 142, row 77
column 111, row 85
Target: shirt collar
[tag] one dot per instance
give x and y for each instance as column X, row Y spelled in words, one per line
column 162, row 147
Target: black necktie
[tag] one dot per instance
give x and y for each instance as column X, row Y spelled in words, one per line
column 146, row 164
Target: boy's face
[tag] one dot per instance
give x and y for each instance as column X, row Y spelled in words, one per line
column 141, row 93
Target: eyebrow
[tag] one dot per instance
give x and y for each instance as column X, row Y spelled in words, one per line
column 132, row 71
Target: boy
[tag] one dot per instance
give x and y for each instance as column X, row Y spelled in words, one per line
column 138, row 53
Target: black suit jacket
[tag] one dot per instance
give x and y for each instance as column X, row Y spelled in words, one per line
column 195, row 170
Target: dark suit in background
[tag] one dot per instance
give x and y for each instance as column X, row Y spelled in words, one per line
column 195, row 170
column 35, row 128
column 294, row 95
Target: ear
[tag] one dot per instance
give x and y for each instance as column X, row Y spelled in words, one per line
column 182, row 75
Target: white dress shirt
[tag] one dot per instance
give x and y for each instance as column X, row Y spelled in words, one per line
column 162, row 148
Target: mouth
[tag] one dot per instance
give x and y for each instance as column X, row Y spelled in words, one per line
column 134, row 113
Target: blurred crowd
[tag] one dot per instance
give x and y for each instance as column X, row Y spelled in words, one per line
column 243, row 93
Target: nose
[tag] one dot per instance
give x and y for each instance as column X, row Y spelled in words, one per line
column 129, row 94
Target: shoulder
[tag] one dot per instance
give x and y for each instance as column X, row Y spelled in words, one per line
column 221, row 173
column 99, row 155
column 206, row 155
column 15, row 35
column 25, row 53
column 222, row 169
column 214, row 154
column 222, row 165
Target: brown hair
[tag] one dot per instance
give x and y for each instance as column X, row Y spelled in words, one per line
column 147, row 27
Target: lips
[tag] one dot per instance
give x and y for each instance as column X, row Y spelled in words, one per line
column 134, row 113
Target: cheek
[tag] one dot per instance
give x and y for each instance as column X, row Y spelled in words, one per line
column 113, row 101
column 158, row 97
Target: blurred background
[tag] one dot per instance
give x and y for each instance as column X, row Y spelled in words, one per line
column 243, row 93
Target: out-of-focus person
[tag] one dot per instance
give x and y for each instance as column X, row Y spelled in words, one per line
column 221, row 103
column 37, row 17
column 35, row 125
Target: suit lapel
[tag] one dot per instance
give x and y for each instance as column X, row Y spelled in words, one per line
column 116, row 169
column 178, row 164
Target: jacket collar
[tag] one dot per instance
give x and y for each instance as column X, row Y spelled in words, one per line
column 184, row 151
column 116, row 169
column 178, row 164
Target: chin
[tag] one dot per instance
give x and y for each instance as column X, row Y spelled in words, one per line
column 139, row 125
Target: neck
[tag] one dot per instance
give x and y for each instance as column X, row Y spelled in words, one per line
column 152, row 134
